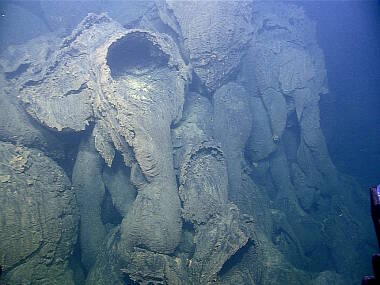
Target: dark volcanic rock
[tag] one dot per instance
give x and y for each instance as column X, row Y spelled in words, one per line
column 89, row 188
column 38, row 218
column 201, row 157
column 122, row 97
column 20, row 129
column 215, row 36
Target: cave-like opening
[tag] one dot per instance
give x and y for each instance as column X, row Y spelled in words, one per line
column 135, row 53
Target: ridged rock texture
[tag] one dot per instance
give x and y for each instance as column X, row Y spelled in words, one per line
column 38, row 218
column 171, row 143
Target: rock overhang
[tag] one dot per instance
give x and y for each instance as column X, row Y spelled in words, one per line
column 136, row 52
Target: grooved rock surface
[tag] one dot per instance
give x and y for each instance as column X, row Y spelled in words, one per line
column 150, row 98
column 204, row 194
column 204, row 183
column 55, row 96
column 18, row 128
column 201, row 158
column 134, row 103
column 194, row 127
column 38, row 218
column 215, row 34
column 284, row 72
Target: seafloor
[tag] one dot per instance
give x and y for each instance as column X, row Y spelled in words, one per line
column 171, row 143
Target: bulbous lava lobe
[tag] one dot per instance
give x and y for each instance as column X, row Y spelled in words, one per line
column 143, row 79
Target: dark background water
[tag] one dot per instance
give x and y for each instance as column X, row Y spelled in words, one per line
column 349, row 34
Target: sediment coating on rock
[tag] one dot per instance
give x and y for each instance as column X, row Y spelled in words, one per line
column 284, row 70
column 18, row 128
column 204, row 193
column 251, row 135
column 204, row 196
column 56, row 87
column 194, row 127
column 215, row 34
column 148, row 96
column 38, row 218
column 204, row 181
column 134, row 104
column 283, row 63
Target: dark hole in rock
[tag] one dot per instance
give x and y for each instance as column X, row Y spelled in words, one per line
column 79, row 271
column 70, row 143
column 110, row 215
column 236, row 258
column 20, row 70
column 291, row 137
column 197, row 86
column 118, row 163
column 135, row 53
column 186, row 245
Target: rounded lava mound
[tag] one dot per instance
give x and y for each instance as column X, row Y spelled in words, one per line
column 135, row 53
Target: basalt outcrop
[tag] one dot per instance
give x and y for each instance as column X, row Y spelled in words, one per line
column 198, row 155
column 38, row 217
